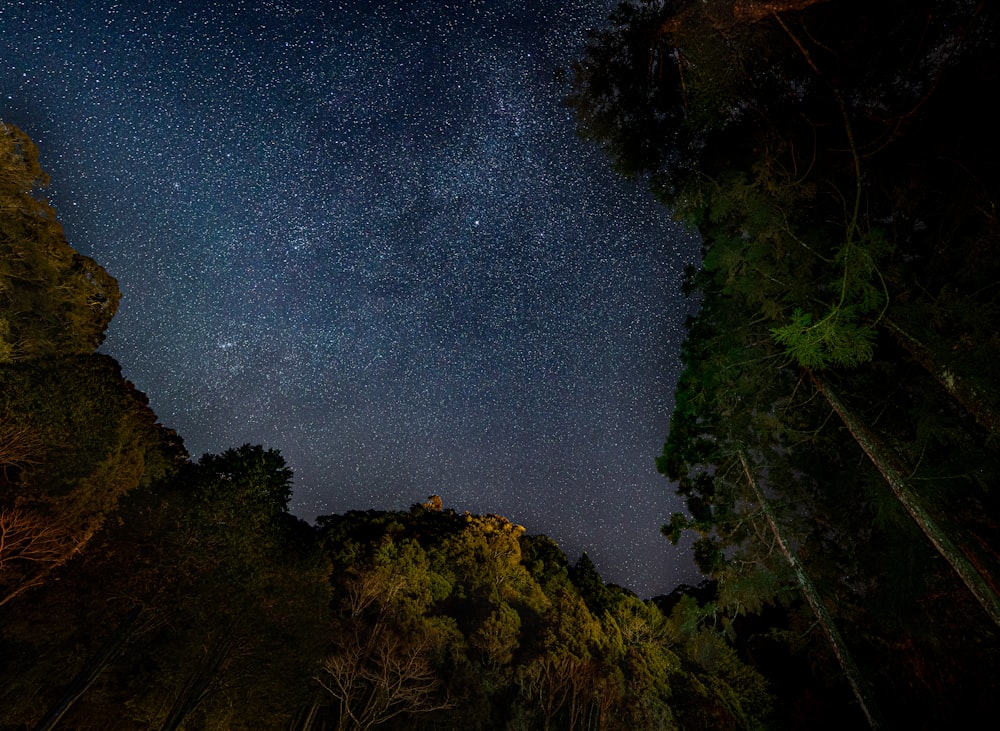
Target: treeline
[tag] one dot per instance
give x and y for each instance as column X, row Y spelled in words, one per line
column 142, row 590
column 837, row 424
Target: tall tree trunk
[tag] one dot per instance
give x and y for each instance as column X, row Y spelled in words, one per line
column 90, row 671
column 965, row 393
column 884, row 461
column 858, row 684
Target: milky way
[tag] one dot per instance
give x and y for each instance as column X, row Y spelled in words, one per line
column 364, row 234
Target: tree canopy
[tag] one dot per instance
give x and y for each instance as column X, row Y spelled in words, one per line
column 836, row 420
column 53, row 300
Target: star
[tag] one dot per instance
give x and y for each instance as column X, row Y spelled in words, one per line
column 367, row 236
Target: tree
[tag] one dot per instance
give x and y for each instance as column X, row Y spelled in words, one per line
column 254, row 637
column 811, row 158
column 53, row 300
column 978, row 583
column 724, row 496
column 561, row 677
column 30, row 545
column 714, row 689
column 82, row 437
column 982, row 405
column 378, row 675
column 643, row 645
column 203, row 675
column 220, row 623
column 383, row 647
column 91, row 670
column 20, row 446
column 859, row 686
column 757, row 123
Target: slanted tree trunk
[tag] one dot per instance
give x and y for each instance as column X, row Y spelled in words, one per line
column 859, row 686
column 90, row 671
column 965, row 393
column 306, row 717
column 884, row 461
column 196, row 688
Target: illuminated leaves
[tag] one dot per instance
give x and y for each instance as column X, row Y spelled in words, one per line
column 835, row 340
column 53, row 300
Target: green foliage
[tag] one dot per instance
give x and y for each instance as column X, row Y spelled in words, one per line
column 809, row 156
column 226, row 607
column 248, row 487
column 835, row 340
column 78, row 438
column 840, row 338
column 229, row 619
column 53, row 300
column 708, row 555
column 676, row 527
column 534, row 642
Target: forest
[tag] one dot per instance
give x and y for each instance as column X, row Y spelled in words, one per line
column 836, row 439
column 836, row 425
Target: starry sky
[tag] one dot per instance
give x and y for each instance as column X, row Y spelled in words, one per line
column 364, row 234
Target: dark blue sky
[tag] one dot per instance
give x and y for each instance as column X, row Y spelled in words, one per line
column 365, row 234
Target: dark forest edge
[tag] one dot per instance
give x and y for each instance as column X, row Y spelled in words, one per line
column 835, row 437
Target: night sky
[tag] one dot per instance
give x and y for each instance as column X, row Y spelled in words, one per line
column 364, row 234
